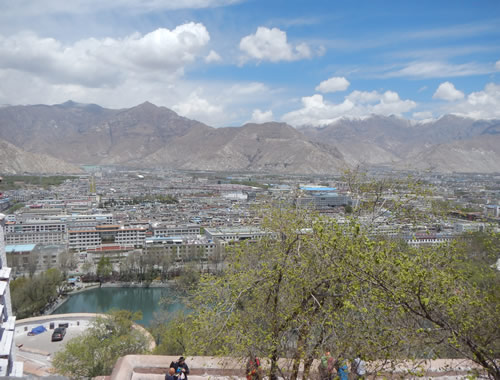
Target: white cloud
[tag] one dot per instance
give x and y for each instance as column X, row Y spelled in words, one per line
column 91, row 6
column 437, row 69
column 479, row 105
column 447, row 91
column 363, row 97
column 196, row 107
column 259, row 116
column 213, row 57
column 333, row 84
column 272, row 45
column 104, row 62
column 218, row 104
column 497, row 65
column 316, row 111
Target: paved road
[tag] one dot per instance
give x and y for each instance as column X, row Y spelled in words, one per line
column 42, row 342
column 36, row 351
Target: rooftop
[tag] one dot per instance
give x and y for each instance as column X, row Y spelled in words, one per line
column 19, row 248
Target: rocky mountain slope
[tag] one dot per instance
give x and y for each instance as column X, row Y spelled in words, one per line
column 478, row 154
column 14, row 161
column 151, row 136
column 380, row 140
column 91, row 134
column 270, row 147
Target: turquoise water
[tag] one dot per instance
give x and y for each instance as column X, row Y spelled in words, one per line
column 147, row 300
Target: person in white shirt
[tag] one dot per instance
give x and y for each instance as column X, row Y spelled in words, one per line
column 359, row 368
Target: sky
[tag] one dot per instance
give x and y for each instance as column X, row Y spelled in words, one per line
column 229, row 62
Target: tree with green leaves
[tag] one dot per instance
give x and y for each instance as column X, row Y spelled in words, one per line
column 171, row 334
column 315, row 284
column 286, row 296
column 96, row 351
column 104, row 267
column 31, row 295
column 447, row 296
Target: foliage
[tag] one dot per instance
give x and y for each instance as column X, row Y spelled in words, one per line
column 16, row 206
column 286, row 296
column 104, row 267
column 387, row 199
column 95, row 352
column 167, row 199
column 432, row 287
column 188, row 278
column 171, row 335
column 318, row 285
column 13, row 182
column 67, row 261
column 30, row 295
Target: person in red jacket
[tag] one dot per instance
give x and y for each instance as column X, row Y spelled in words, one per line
column 253, row 368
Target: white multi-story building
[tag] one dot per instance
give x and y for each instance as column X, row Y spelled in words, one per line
column 35, row 232
column 53, row 229
column 106, row 235
column 324, row 201
column 34, row 226
column 161, row 230
column 235, row 233
column 418, row 240
column 8, row 367
column 183, row 248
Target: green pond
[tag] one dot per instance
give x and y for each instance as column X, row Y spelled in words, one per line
column 146, row 300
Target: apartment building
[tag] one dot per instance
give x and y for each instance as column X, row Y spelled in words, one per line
column 111, row 235
column 8, row 367
column 323, row 201
column 183, row 248
column 162, row 230
column 35, row 232
column 230, row 234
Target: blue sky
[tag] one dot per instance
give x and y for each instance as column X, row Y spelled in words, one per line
column 227, row 62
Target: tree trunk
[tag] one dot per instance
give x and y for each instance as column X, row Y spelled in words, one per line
column 273, row 370
column 307, row 367
column 299, row 352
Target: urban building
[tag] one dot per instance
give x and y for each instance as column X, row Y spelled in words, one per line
column 35, row 232
column 160, row 230
column 8, row 367
column 31, row 258
column 418, row 240
column 323, row 201
column 106, row 235
column 182, row 248
column 492, row 210
column 230, row 234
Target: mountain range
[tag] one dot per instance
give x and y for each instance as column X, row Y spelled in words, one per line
column 59, row 138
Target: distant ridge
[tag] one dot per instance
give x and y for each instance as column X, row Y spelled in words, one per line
column 14, row 161
column 151, row 136
column 401, row 143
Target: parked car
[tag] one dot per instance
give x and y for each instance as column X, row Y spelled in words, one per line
column 58, row 334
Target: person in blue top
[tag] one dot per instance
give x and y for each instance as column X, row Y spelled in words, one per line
column 342, row 368
column 181, row 368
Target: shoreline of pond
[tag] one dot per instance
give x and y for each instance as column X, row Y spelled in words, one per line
column 63, row 299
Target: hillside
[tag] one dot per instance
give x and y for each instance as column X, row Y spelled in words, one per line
column 148, row 136
column 15, row 161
